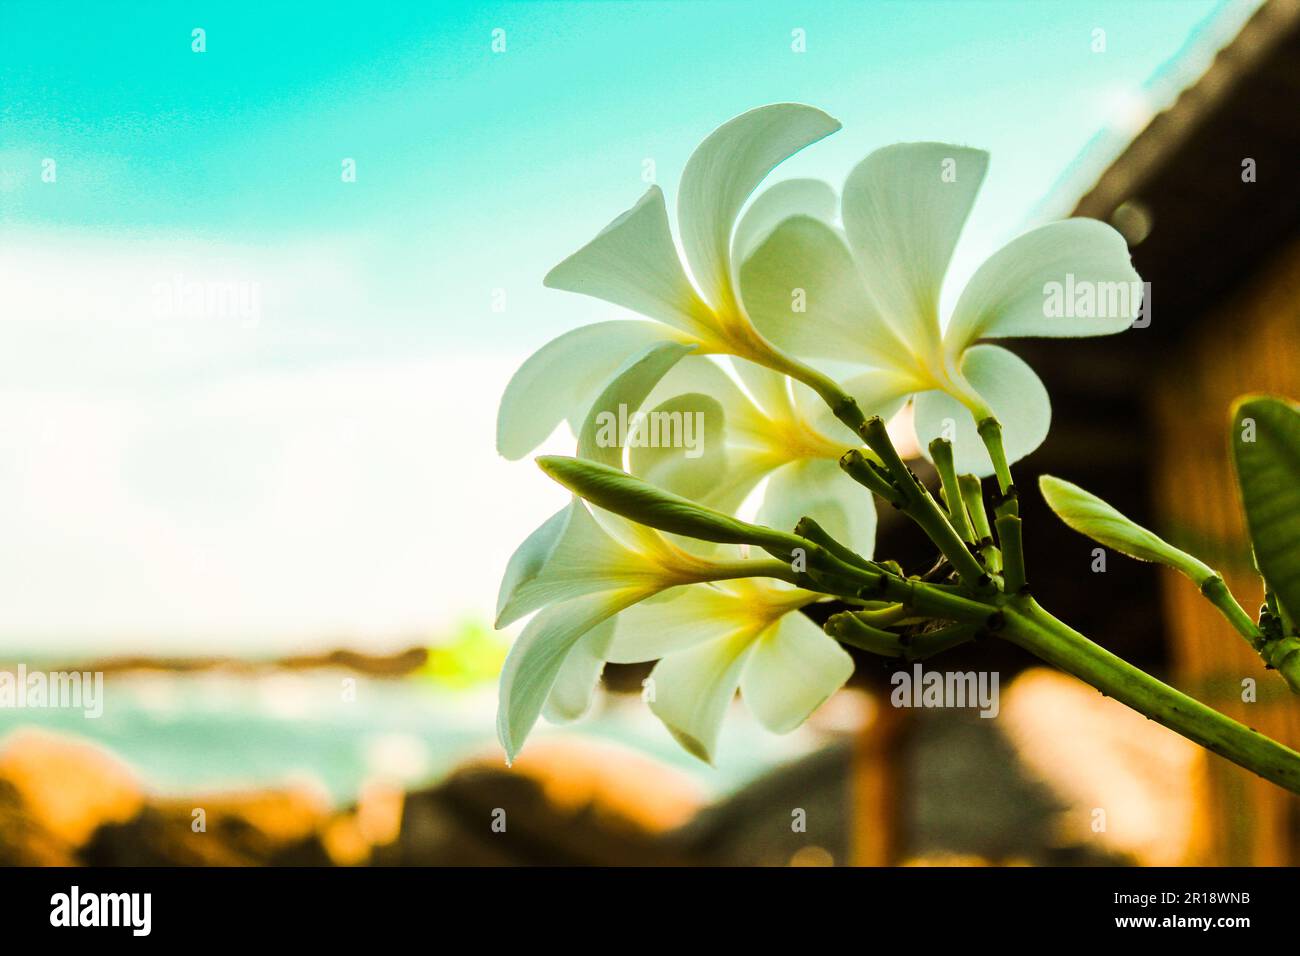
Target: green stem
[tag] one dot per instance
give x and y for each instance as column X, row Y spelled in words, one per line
column 842, row 405
column 849, row 627
column 923, row 509
column 941, row 454
column 928, row 643
column 972, row 495
column 860, row 469
column 1216, row 592
column 1013, row 554
column 929, row 599
column 885, row 616
column 810, row 529
column 990, row 430
column 1027, row 625
column 750, row 568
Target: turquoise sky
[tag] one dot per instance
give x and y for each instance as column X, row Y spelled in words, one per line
column 373, row 369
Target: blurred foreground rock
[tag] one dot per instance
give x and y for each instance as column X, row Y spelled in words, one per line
column 55, row 792
column 569, row 800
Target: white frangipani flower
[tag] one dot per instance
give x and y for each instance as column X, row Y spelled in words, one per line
column 582, row 567
column 634, row 263
column 761, row 432
column 577, row 575
column 871, row 293
column 711, row 639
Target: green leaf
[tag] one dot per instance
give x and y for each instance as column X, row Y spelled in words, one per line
column 1090, row 516
column 1266, row 452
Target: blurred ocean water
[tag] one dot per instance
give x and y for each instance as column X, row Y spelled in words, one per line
column 184, row 733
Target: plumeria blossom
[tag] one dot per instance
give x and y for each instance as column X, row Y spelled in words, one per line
column 605, row 599
column 634, row 263
column 581, row 568
column 763, row 431
column 584, row 566
column 577, row 574
column 871, row 295
column 712, row 639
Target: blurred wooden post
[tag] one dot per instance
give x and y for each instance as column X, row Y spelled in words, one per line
column 877, row 787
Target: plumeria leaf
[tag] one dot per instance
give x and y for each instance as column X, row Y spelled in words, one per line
column 1266, row 451
column 1094, row 518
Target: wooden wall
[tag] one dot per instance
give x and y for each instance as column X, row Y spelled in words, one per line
column 1251, row 343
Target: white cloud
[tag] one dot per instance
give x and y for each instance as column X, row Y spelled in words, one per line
column 210, row 501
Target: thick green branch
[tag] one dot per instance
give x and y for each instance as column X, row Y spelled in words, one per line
column 1029, row 626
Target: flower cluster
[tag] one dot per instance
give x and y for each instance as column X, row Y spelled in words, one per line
column 849, row 282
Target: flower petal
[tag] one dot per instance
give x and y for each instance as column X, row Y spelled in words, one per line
column 633, row 262
column 570, row 555
column 602, row 438
column 1014, row 394
column 703, row 375
column 535, row 659
column 558, row 381
column 681, row 618
column 575, row 685
column 903, row 208
column 1011, row 293
column 692, row 689
column 793, row 197
column 803, row 291
column 816, row 488
column 681, row 446
column 721, row 174
column 880, row 392
column 769, row 389
column 726, row 469
column 794, row 668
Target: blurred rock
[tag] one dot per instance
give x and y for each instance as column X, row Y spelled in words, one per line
column 23, row 841
column 270, row 827
column 569, row 801
column 68, row 787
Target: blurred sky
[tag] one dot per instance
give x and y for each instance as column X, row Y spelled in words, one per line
column 177, row 479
